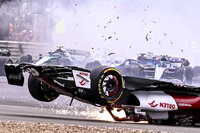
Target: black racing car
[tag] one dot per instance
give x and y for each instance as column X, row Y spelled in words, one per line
column 140, row 99
column 4, row 52
column 131, row 67
column 158, row 67
column 168, row 68
column 65, row 57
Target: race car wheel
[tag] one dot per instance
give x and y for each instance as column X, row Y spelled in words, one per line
column 41, row 91
column 106, row 85
column 3, row 61
column 25, row 58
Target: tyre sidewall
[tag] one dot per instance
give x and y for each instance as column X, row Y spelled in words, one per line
column 36, row 89
column 97, row 77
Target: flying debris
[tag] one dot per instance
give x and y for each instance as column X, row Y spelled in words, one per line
column 153, row 21
column 109, row 22
column 110, row 54
column 109, row 37
column 159, row 42
column 147, row 36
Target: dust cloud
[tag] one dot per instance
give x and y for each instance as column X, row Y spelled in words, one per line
column 128, row 27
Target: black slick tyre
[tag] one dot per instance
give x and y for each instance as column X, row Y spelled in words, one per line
column 41, row 91
column 106, row 85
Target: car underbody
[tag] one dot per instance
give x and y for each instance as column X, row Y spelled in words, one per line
column 141, row 99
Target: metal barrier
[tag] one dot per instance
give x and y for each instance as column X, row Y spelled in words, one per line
column 18, row 48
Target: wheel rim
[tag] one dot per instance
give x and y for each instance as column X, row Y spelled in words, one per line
column 110, row 85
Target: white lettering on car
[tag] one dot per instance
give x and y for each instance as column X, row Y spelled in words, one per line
column 167, row 105
column 82, row 79
column 83, row 74
column 162, row 105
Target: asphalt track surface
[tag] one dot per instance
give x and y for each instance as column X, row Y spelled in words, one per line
column 17, row 104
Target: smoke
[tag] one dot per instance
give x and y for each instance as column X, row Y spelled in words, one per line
column 126, row 27
column 131, row 26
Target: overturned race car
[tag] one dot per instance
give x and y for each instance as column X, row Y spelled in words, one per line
column 141, row 99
